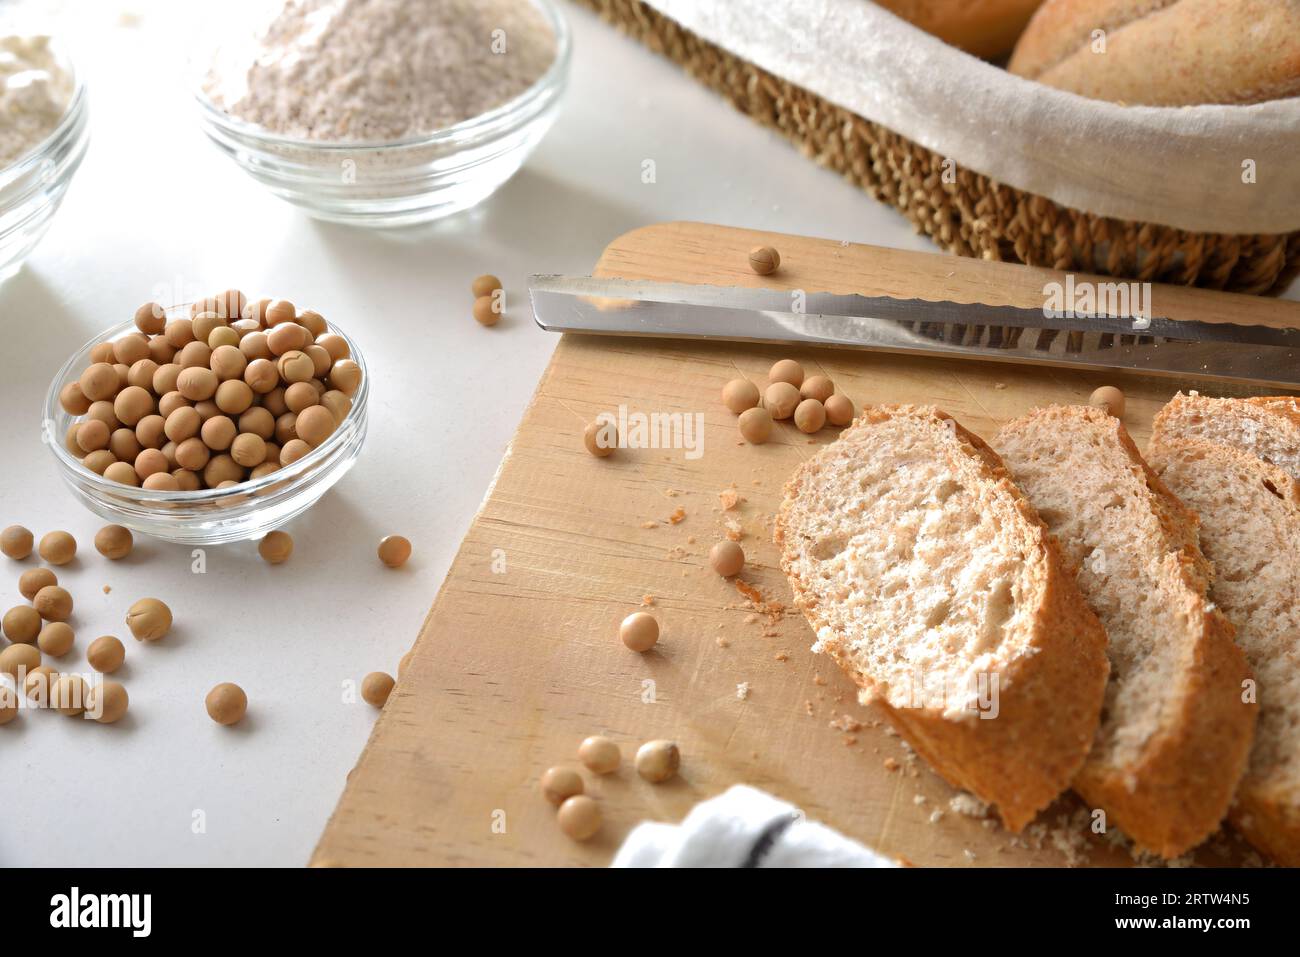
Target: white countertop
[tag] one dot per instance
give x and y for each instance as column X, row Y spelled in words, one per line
column 154, row 208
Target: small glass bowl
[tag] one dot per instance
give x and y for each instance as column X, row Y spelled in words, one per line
column 404, row 182
column 32, row 188
column 208, row 516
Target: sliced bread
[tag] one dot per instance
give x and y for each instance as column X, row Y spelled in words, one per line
column 1250, row 530
column 1174, row 734
column 930, row 580
column 1267, row 427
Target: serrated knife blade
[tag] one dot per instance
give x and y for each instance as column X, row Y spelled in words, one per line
column 1161, row 345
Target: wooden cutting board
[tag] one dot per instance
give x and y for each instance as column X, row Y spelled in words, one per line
column 519, row 658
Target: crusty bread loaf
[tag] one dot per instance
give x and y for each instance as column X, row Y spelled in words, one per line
column 930, row 580
column 1175, row 734
column 986, row 28
column 1165, row 52
column 1267, row 427
column 1250, row 530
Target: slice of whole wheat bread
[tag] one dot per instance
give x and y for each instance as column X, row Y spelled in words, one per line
column 1250, row 530
column 930, row 580
column 1174, row 734
column 1267, row 427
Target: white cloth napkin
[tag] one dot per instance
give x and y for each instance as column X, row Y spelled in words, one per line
column 1180, row 166
column 744, row 827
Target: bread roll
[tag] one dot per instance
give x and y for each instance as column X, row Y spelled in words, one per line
column 1165, row 52
column 986, row 28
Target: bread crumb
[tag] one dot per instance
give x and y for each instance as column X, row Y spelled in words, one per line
column 647, row 600
column 846, row 723
column 968, row 804
column 1071, row 838
column 936, row 816
column 729, row 498
column 722, row 641
column 677, row 517
column 808, row 708
column 107, row 589
column 970, row 855
column 890, row 764
column 671, row 492
column 781, row 656
column 849, row 740
column 999, row 386
column 649, row 524
column 818, row 679
column 1115, row 837
column 774, row 610
column 918, row 798
column 742, row 691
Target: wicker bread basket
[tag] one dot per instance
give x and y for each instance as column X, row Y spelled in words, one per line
column 973, row 215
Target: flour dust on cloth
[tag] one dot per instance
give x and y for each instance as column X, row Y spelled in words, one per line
column 1178, row 166
column 744, row 827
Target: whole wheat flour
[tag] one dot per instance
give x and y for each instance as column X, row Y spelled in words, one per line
column 374, row 71
column 35, row 90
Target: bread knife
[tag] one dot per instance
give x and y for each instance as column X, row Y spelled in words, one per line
column 1159, row 344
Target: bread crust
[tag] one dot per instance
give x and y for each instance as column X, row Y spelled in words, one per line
column 1178, row 790
column 986, row 28
column 1165, row 52
column 1059, row 28
column 1050, row 698
column 1265, row 811
column 1271, row 822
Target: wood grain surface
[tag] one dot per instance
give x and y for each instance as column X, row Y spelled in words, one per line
column 519, row 658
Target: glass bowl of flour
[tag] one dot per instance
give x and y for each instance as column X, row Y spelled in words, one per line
column 387, row 113
column 44, row 131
